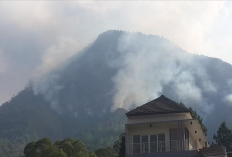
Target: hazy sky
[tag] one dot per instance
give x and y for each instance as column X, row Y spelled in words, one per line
column 36, row 36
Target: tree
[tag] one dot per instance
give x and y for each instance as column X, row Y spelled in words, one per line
column 65, row 148
column 43, row 147
column 73, row 148
column 224, row 137
column 196, row 116
column 91, row 154
column 28, row 148
column 66, row 145
column 119, row 145
column 106, row 152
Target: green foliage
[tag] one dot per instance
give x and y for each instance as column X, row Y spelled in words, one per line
column 43, row 148
column 73, row 148
column 28, row 117
column 104, row 132
column 65, row 148
column 91, row 154
column 28, row 148
column 119, row 145
column 106, row 152
column 196, row 116
column 13, row 148
column 66, row 145
column 224, row 137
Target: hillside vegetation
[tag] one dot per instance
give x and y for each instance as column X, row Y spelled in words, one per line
column 83, row 98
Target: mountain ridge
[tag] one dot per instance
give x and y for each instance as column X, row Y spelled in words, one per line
column 118, row 70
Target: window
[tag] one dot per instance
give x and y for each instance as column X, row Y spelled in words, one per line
column 148, row 143
column 157, row 143
column 161, row 142
column 145, row 148
column 136, row 144
column 186, row 137
column 173, row 139
column 153, row 143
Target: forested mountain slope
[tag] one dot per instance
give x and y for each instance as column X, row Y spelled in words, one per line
column 80, row 98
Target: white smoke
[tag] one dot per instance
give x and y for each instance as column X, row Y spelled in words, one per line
column 147, row 68
column 3, row 65
column 55, row 55
column 228, row 97
column 40, row 25
column 55, row 58
column 186, row 88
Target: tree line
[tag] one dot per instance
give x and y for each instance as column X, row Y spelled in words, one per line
column 75, row 148
column 72, row 148
column 223, row 137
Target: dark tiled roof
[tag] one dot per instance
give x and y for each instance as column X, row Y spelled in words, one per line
column 229, row 154
column 216, row 151
column 161, row 105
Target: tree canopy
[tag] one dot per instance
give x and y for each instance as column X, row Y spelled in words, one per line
column 106, row 152
column 65, row 148
column 224, row 137
column 119, row 145
column 43, row 147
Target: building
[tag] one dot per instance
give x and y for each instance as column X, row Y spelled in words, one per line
column 163, row 128
column 215, row 151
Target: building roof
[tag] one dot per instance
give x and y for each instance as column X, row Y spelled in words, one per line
column 161, row 105
column 229, row 154
column 215, row 151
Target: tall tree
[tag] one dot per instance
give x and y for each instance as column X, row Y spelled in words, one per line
column 224, row 137
column 73, row 148
column 43, row 147
column 106, row 152
column 91, row 154
column 119, row 145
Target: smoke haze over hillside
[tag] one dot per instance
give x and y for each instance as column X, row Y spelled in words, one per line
column 148, row 67
column 35, row 33
column 61, row 68
column 125, row 70
column 141, row 69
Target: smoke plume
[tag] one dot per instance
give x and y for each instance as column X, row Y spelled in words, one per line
column 148, row 65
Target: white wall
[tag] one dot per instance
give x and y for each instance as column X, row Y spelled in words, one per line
column 145, row 129
column 156, row 128
column 158, row 118
column 161, row 124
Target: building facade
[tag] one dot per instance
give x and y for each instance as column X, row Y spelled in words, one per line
column 163, row 128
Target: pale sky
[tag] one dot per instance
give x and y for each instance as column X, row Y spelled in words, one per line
column 37, row 36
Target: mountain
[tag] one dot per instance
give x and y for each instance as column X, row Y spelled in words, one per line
column 83, row 97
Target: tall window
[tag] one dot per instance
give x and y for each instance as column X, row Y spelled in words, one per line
column 186, row 137
column 173, row 139
column 161, row 142
column 145, row 144
column 157, row 143
column 136, row 144
column 153, row 143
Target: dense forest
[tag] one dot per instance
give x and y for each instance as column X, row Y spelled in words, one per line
column 31, row 118
column 83, row 98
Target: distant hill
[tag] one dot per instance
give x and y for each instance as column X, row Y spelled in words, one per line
column 80, row 99
column 28, row 117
